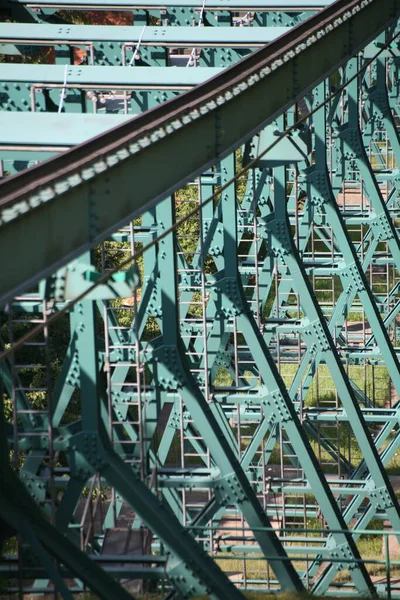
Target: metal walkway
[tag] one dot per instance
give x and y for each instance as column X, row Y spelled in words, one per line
column 200, row 305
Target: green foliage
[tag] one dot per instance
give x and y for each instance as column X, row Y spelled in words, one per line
column 371, row 545
column 10, row 546
column 40, row 55
column 186, row 201
column 373, row 381
column 76, row 17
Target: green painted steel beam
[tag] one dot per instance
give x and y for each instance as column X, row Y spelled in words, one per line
column 101, row 77
column 94, row 88
column 242, row 106
column 54, row 131
column 187, row 37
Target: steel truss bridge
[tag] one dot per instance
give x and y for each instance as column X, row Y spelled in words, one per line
column 200, row 292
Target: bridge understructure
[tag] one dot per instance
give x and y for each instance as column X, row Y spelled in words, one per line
column 200, row 305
